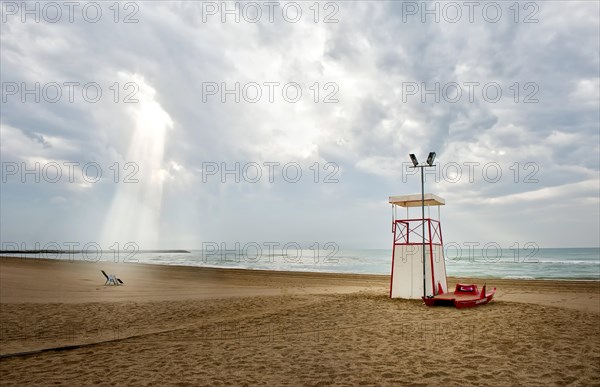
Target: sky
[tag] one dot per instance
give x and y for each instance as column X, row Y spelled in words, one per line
column 175, row 124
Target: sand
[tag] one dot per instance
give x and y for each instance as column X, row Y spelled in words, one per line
column 196, row 326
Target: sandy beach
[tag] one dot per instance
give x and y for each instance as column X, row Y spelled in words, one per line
column 198, row 326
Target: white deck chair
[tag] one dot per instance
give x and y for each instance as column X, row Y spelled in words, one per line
column 111, row 279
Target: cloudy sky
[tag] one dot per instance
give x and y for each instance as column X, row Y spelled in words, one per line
column 170, row 124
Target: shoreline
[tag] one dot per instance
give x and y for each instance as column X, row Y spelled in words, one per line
column 24, row 280
column 481, row 278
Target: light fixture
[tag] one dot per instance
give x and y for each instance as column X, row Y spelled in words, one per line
column 414, row 159
column 430, row 158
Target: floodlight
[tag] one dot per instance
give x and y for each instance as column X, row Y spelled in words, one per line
column 414, row 160
column 430, row 158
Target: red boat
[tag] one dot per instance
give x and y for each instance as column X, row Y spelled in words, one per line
column 464, row 296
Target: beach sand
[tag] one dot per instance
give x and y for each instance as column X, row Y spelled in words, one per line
column 200, row 326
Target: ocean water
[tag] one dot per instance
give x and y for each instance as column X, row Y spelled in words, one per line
column 524, row 263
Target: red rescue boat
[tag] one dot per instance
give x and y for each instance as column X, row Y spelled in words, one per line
column 464, row 296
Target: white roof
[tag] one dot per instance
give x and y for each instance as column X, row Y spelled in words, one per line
column 415, row 200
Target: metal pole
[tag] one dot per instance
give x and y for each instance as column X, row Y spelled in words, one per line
column 423, row 226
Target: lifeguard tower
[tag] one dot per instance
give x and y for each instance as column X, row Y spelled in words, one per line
column 411, row 276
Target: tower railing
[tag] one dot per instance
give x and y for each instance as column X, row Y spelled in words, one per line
column 408, row 231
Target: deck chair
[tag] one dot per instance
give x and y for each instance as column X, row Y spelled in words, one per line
column 108, row 278
column 111, row 279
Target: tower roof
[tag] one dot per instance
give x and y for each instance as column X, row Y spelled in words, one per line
column 415, row 200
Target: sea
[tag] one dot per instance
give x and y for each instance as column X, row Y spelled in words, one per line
column 527, row 262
